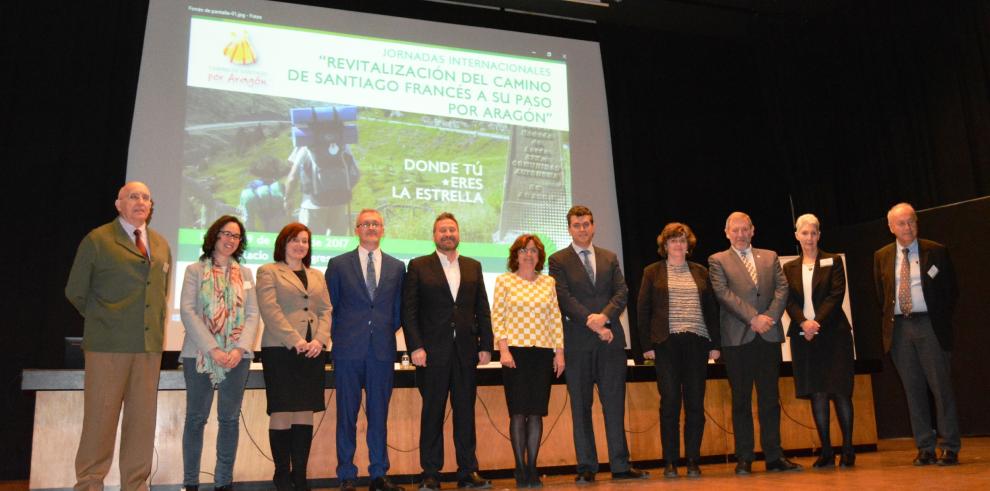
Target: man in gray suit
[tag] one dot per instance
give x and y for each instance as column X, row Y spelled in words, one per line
column 592, row 294
column 751, row 288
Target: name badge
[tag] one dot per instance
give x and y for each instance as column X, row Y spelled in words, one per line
column 825, row 262
column 932, row 271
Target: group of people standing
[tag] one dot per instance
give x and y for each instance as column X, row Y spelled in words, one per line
column 540, row 324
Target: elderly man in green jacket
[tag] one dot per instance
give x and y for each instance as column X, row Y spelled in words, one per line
column 119, row 283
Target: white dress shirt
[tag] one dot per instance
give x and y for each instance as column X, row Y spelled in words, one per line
column 363, row 257
column 452, row 270
column 918, row 304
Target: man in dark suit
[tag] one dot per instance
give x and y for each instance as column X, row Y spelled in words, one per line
column 119, row 283
column 751, row 287
column 916, row 288
column 366, row 292
column 447, row 325
column 592, row 294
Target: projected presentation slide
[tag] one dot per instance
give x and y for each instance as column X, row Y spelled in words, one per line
column 278, row 113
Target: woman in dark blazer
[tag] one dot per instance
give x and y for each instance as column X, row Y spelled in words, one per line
column 679, row 328
column 821, row 338
column 295, row 305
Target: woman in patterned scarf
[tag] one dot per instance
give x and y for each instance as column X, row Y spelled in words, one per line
column 220, row 313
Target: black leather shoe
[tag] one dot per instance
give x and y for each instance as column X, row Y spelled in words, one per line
column 925, row 457
column 824, row 461
column 848, row 458
column 473, row 481
column 744, row 468
column 782, row 465
column 670, row 470
column 229, row 487
column 191, row 488
column 632, row 473
column 347, row 485
column 534, row 480
column 693, row 470
column 429, row 483
column 948, row 458
column 586, row 477
column 383, row 484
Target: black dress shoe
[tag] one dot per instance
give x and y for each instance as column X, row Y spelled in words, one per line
column 782, row 465
column 586, row 477
column 430, row 483
column 744, row 468
column 347, row 485
column 670, row 470
column 191, row 488
column 229, row 487
column 383, row 484
column 534, row 480
column 824, row 461
column 925, row 457
column 848, row 458
column 632, row 473
column 948, row 458
column 473, row 481
column 693, row 470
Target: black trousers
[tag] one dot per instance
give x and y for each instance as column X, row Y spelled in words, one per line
column 682, row 367
column 756, row 362
column 605, row 366
column 435, row 382
column 923, row 364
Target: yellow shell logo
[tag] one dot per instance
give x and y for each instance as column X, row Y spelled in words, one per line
column 239, row 50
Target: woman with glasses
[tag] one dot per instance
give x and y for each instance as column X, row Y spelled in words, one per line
column 295, row 305
column 679, row 329
column 528, row 331
column 219, row 310
column 821, row 338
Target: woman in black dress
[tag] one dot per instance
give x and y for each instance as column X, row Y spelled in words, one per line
column 295, row 305
column 821, row 338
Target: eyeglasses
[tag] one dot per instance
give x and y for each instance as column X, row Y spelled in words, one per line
column 230, row 235
column 529, row 250
column 370, row 225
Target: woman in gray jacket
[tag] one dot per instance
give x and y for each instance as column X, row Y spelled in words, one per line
column 219, row 310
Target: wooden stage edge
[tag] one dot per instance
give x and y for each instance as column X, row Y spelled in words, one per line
column 57, row 425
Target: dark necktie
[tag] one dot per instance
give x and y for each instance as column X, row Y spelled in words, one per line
column 140, row 245
column 587, row 265
column 904, row 285
column 369, row 278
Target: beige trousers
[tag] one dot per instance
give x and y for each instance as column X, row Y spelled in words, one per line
column 114, row 380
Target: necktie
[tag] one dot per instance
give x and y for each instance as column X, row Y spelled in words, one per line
column 587, row 265
column 369, row 277
column 140, row 245
column 750, row 267
column 904, row 285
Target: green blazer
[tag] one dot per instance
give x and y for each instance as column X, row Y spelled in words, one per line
column 122, row 297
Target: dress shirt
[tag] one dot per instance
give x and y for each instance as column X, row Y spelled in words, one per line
column 452, row 270
column 363, row 257
column 918, row 304
column 144, row 234
column 807, row 271
column 591, row 256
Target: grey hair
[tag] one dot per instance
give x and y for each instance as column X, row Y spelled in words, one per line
column 807, row 219
column 737, row 215
column 893, row 209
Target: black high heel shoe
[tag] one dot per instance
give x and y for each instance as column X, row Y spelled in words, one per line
column 825, row 461
column 848, row 458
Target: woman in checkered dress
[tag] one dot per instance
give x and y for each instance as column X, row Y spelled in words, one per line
column 527, row 327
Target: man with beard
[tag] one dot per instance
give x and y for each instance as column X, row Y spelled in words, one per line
column 447, row 326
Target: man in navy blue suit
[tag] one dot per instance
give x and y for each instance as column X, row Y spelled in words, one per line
column 366, row 290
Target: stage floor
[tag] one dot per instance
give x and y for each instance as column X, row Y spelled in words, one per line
column 888, row 468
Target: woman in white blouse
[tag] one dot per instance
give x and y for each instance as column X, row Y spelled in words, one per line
column 530, row 338
column 821, row 338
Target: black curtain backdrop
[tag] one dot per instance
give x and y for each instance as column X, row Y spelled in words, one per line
column 841, row 115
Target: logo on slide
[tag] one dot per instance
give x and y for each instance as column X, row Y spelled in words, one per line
column 239, row 50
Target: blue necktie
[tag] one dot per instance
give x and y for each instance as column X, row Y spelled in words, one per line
column 369, row 278
column 587, row 265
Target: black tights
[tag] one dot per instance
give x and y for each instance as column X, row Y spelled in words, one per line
column 526, row 431
column 843, row 412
